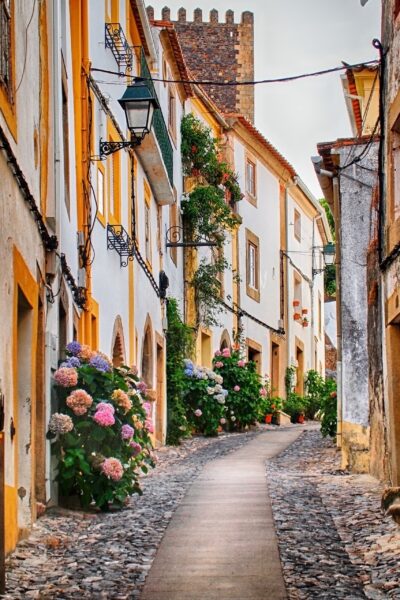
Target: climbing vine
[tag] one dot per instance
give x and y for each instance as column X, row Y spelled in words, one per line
column 207, row 211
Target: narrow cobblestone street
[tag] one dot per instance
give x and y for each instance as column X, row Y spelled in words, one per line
column 334, row 541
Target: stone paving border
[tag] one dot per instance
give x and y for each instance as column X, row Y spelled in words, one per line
column 335, row 543
column 73, row 555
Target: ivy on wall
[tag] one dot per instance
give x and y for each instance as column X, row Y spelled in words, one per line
column 207, row 212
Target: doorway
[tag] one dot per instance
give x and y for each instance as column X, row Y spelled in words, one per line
column 300, row 371
column 275, row 369
column 393, row 353
column 160, row 394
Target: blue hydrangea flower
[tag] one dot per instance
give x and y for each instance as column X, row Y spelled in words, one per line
column 73, row 361
column 100, row 364
column 189, row 372
column 74, row 347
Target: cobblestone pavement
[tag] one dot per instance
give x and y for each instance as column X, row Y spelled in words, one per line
column 76, row 555
column 334, row 541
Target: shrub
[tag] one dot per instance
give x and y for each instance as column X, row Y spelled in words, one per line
column 329, row 409
column 204, row 398
column 243, row 401
column 103, row 430
column 295, row 405
column 314, row 385
column 179, row 340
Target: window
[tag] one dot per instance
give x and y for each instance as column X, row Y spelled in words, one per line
column 206, row 356
column 251, row 179
column 254, row 354
column 219, row 256
column 297, row 225
column 319, row 314
column 147, row 223
column 395, row 204
column 252, row 266
column 297, row 291
column 114, row 191
column 172, row 114
column 65, row 129
column 5, row 46
column 100, row 195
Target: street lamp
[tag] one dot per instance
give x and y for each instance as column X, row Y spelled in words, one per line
column 139, row 105
column 329, row 254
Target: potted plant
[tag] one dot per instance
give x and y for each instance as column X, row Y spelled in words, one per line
column 305, row 322
column 297, row 316
column 304, row 311
column 296, row 303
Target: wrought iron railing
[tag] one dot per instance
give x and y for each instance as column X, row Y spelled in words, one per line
column 119, row 46
column 159, row 126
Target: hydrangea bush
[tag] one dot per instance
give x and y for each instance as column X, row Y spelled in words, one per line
column 102, row 429
column 245, row 390
column 205, row 399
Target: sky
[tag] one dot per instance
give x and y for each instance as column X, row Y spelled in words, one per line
column 292, row 37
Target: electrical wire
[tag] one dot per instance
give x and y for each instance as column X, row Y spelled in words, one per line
column 239, row 83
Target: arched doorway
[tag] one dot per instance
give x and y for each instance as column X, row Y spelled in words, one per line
column 225, row 341
column 118, row 345
column 147, row 355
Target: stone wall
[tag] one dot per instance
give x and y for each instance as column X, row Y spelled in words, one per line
column 219, row 51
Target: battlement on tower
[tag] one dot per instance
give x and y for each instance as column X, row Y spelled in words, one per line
column 218, row 50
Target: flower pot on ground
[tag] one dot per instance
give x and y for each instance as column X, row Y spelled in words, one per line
column 297, row 316
column 268, row 418
column 300, row 418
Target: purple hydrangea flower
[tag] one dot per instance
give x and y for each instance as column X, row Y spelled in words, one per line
column 72, row 362
column 127, row 432
column 135, row 448
column 100, row 364
column 74, row 347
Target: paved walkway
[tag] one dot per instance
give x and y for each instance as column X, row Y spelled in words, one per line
column 221, row 542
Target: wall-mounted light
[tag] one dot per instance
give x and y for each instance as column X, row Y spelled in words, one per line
column 329, row 255
column 139, row 105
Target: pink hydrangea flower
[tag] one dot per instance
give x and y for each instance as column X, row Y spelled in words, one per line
column 112, row 468
column 147, row 407
column 105, row 406
column 60, row 423
column 127, row 432
column 241, row 363
column 66, row 377
column 217, row 353
column 135, row 448
column 263, row 392
column 219, row 364
column 236, row 388
column 222, row 421
column 104, row 418
column 198, row 412
column 226, row 353
column 79, row 402
column 149, row 425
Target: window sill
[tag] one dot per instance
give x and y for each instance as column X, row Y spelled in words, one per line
column 253, row 293
column 252, row 199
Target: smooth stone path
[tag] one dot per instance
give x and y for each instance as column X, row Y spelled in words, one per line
column 221, row 542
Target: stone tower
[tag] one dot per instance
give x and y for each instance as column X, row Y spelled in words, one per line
column 221, row 51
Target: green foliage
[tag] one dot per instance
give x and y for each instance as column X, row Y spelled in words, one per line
column 289, row 379
column 179, row 339
column 330, row 270
column 314, row 385
column 295, row 405
column 243, row 404
column 204, row 398
column 329, row 409
column 85, row 448
column 207, row 210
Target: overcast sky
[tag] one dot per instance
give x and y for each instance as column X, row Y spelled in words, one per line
column 297, row 36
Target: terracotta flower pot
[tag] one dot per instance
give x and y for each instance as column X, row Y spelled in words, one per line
column 296, row 302
column 300, row 419
column 268, row 418
column 304, row 311
column 297, row 316
column 305, row 323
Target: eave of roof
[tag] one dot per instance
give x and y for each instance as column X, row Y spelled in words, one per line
column 168, row 26
column 261, row 139
column 139, row 24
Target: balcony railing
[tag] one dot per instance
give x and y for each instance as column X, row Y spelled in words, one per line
column 159, row 126
column 119, row 46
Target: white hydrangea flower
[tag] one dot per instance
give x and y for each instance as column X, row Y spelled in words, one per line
column 210, row 391
column 220, row 398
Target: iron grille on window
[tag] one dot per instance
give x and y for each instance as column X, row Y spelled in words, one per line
column 119, row 46
column 5, row 45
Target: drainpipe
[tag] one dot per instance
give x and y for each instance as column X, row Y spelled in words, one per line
column 288, row 327
column 336, row 214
